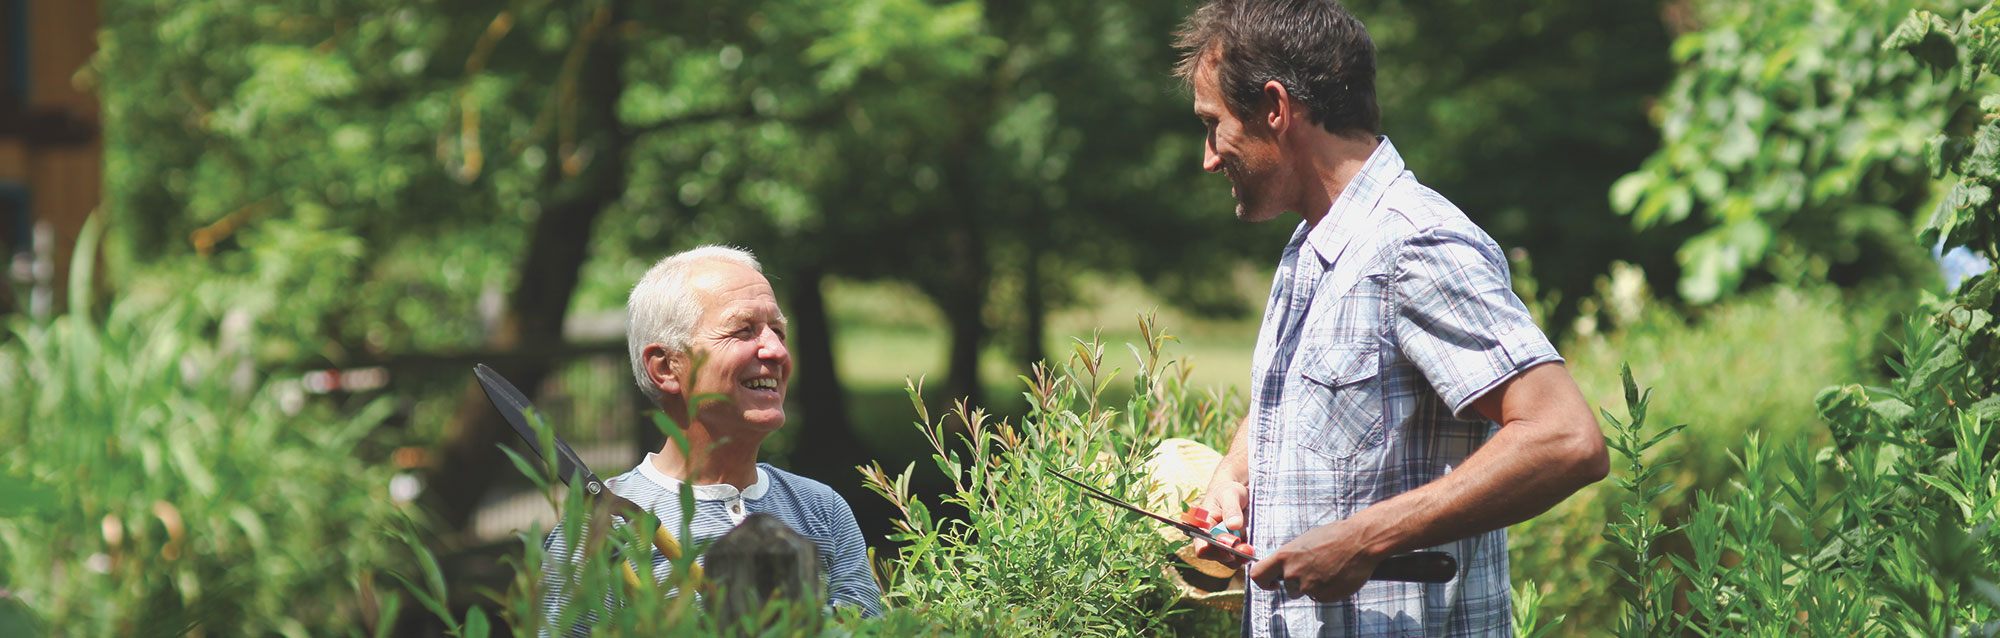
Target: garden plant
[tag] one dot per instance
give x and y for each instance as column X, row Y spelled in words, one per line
column 1886, row 526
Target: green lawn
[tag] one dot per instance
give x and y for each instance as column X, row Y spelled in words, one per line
column 887, row 333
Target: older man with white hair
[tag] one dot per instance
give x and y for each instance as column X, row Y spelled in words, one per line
column 705, row 323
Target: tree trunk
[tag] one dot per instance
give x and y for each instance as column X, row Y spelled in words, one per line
column 827, row 448
column 1034, row 305
column 963, row 300
column 469, row 461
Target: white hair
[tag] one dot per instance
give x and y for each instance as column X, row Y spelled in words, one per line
column 662, row 311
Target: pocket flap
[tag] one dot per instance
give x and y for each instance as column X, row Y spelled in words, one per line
column 1340, row 364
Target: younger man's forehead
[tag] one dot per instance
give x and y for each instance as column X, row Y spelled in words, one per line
column 1207, row 96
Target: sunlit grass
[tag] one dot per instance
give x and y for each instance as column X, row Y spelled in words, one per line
column 885, row 333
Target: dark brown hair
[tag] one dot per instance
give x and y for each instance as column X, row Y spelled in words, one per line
column 1315, row 48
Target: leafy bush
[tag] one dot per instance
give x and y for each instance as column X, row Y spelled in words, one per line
column 1885, row 532
column 1031, row 546
column 157, row 486
column 1789, row 144
column 1887, row 529
column 1786, row 342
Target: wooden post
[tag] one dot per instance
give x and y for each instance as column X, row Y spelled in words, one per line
column 51, row 155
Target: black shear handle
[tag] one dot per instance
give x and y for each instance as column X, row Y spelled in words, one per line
column 1417, row 567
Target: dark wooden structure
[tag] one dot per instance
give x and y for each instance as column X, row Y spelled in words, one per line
column 51, row 152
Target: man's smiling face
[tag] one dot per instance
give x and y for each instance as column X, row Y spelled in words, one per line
column 1245, row 151
column 741, row 335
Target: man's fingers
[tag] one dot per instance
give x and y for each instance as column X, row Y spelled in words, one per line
column 1234, row 521
column 1210, row 551
column 1212, row 515
column 1267, row 572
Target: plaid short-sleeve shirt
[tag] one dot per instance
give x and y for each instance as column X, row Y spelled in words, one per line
column 1386, row 321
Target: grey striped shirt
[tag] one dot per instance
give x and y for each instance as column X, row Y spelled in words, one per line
column 808, row 506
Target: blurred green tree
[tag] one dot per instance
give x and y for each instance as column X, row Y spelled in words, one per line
column 986, row 172
column 398, row 162
column 395, row 166
column 1524, row 113
column 1797, row 145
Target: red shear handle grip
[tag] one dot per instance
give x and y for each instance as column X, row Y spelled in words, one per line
column 1417, row 567
column 1198, row 517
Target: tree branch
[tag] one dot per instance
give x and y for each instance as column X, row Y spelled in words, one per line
column 745, row 111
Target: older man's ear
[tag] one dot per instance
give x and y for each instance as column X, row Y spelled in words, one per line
column 661, row 369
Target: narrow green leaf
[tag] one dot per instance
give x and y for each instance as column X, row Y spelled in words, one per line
column 476, row 625
column 437, row 608
column 524, row 467
column 390, row 608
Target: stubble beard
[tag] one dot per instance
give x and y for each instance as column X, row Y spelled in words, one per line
column 1243, row 212
column 1248, row 199
column 1238, row 190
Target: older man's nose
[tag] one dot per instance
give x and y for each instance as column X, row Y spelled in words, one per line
column 772, row 346
column 1210, row 160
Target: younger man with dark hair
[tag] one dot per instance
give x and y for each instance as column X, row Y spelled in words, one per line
column 1401, row 399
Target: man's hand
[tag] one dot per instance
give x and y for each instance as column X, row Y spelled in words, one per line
column 1228, row 495
column 1225, row 502
column 1547, row 448
column 1325, row 563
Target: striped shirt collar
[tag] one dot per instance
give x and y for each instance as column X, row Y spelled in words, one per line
column 717, row 492
column 1348, row 216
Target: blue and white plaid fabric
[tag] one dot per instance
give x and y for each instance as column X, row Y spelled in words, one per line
column 1385, row 322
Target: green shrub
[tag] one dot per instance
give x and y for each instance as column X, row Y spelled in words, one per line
column 1790, row 143
column 1885, row 527
column 1886, row 531
column 1750, row 364
column 1032, row 546
column 156, row 485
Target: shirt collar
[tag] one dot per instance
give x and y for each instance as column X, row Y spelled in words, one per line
column 1350, row 212
column 717, row 492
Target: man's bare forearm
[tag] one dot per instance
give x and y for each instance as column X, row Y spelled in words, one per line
column 1548, row 447
column 1235, row 464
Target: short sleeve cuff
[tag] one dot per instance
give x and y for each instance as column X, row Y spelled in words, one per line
column 1525, row 351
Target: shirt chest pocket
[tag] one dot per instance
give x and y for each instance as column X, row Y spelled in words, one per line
column 1339, row 409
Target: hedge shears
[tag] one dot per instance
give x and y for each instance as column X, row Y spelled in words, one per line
column 515, row 407
column 1416, row 567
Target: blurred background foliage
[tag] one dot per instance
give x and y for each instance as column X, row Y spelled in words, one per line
column 159, row 485
column 1722, row 194
column 1751, row 363
column 1790, row 146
